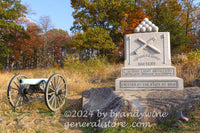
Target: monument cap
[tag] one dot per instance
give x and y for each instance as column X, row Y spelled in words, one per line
column 146, row 26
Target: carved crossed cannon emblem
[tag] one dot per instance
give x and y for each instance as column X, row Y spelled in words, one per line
column 148, row 43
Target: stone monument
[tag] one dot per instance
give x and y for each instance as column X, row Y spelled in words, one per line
column 148, row 61
column 147, row 67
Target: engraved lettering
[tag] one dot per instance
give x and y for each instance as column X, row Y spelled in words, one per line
column 147, row 72
column 146, row 63
column 147, row 55
column 148, row 84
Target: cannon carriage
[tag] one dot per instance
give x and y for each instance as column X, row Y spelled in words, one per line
column 21, row 88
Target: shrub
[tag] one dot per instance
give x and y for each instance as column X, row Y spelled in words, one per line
column 187, row 66
column 92, row 67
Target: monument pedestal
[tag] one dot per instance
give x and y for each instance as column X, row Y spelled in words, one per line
column 148, row 83
column 148, row 78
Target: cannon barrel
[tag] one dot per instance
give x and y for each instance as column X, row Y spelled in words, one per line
column 31, row 81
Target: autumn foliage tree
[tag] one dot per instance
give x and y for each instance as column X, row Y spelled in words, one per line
column 57, row 40
column 104, row 14
column 174, row 16
column 10, row 11
column 27, row 51
column 34, row 44
column 190, row 20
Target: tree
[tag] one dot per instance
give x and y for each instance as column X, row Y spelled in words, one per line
column 167, row 15
column 93, row 39
column 35, row 44
column 27, row 51
column 104, row 14
column 45, row 22
column 190, row 19
column 11, row 10
column 132, row 20
column 58, row 41
column 46, row 25
column 188, row 14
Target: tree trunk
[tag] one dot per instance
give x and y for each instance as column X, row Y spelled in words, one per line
column 7, row 63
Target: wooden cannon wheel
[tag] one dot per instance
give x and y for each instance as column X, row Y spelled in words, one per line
column 55, row 92
column 16, row 93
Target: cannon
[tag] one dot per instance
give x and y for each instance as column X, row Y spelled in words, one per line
column 21, row 88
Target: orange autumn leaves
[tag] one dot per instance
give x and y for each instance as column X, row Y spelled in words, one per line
column 29, row 51
column 130, row 21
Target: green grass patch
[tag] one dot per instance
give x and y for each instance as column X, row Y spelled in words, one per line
column 39, row 131
column 46, row 113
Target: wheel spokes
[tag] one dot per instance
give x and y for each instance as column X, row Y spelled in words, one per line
column 53, row 101
column 51, row 93
column 55, row 92
column 60, row 99
column 16, row 85
column 21, row 102
column 61, row 86
column 14, row 88
column 18, row 101
column 53, row 85
column 59, row 102
column 58, row 81
column 15, row 94
column 16, row 97
column 51, row 97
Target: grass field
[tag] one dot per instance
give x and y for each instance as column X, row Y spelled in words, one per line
column 35, row 117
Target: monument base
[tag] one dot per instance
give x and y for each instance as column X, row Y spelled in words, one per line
column 148, row 83
column 151, row 71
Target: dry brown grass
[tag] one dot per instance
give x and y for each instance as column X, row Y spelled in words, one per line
column 188, row 75
column 35, row 116
column 187, row 67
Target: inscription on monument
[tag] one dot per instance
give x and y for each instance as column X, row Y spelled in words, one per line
column 149, row 84
column 148, row 72
column 146, row 63
column 145, row 56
